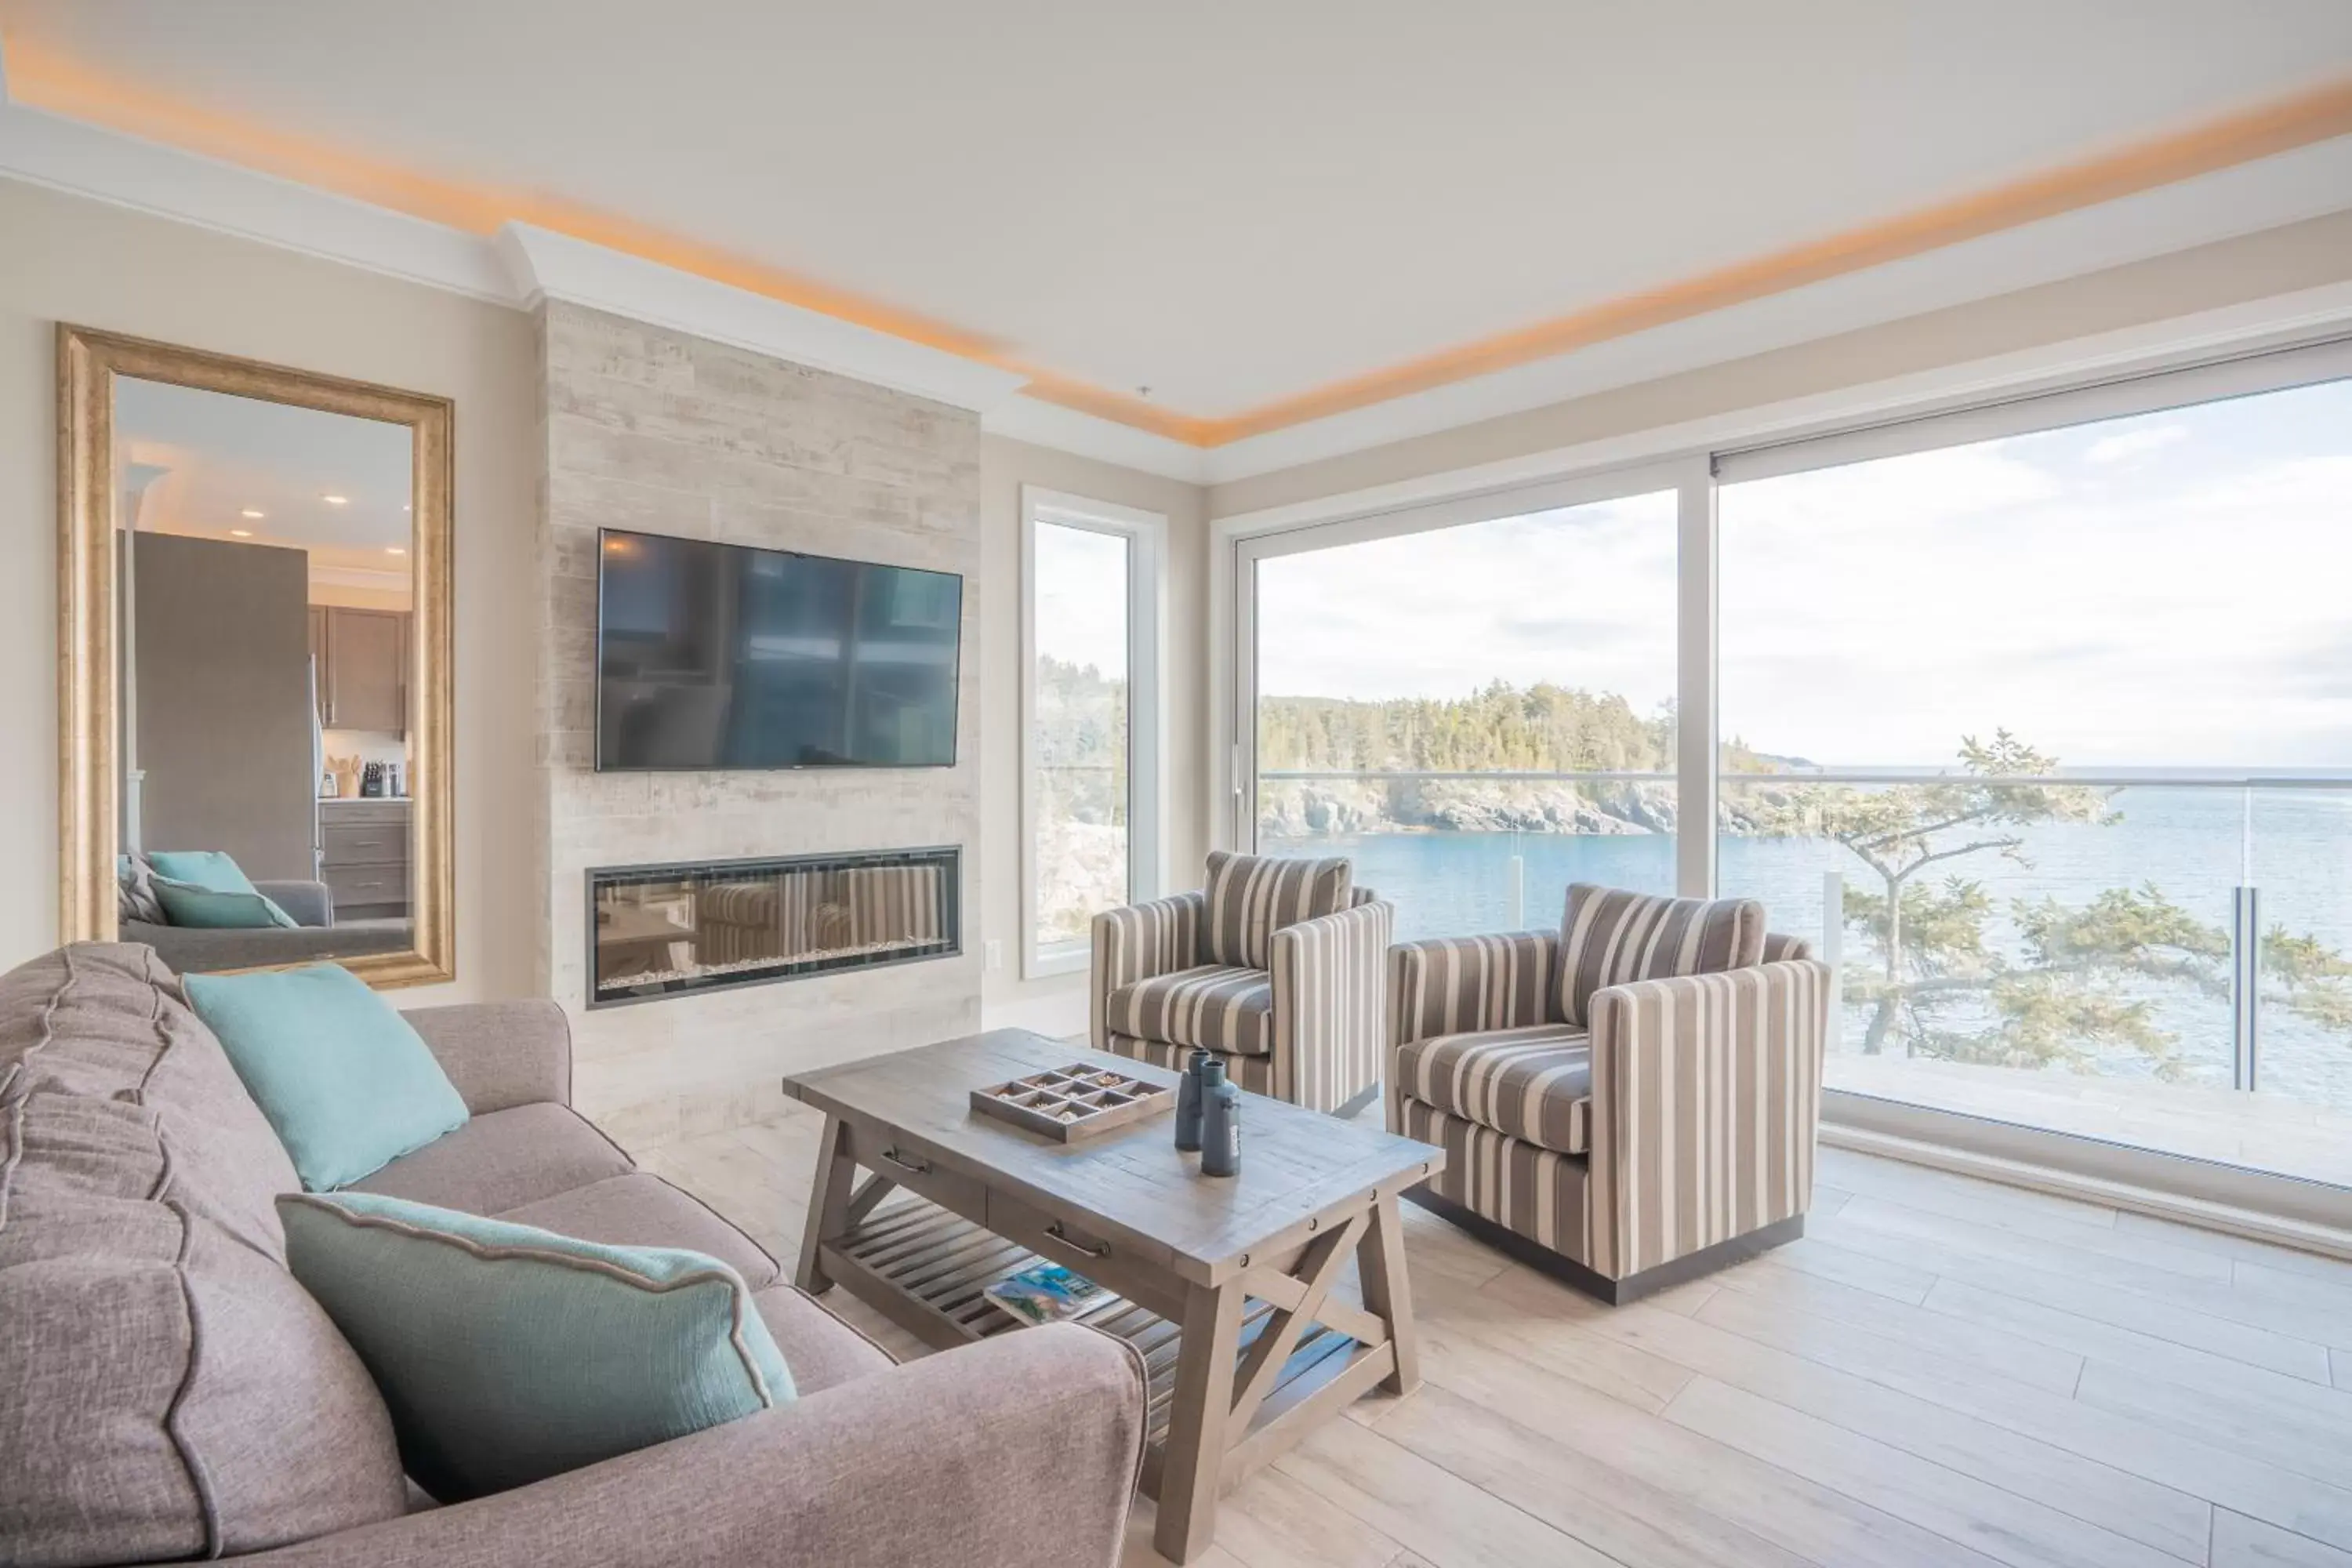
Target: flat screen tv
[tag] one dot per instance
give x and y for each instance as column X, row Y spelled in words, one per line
column 721, row 656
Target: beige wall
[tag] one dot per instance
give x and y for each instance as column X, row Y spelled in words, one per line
column 2253, row 266
column 64, row 258
column 1058, row 1003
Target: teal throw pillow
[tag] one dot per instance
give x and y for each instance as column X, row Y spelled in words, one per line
column 507, row 1354
column 348, row 1084
column 187, row 904
column 201, row 867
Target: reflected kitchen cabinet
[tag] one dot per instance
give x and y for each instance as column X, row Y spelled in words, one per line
column 362, row 661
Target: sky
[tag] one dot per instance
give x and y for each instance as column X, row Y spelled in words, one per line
column 1080, row 579
column 2173, row 589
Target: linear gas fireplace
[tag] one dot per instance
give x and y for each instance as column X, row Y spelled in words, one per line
column 660, row 931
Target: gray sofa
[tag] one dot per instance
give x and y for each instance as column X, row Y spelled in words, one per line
column 167, row 1390
column 318, row 936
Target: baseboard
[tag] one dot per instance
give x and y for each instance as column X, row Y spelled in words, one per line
column 1600, row 1286
column 2203, row 1212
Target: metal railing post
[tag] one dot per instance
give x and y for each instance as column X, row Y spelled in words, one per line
column 2245, row 984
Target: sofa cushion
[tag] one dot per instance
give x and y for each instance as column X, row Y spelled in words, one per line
column 166, row 1388
column 1250, row 897
column 510, row 1353
column 641, row 1210
column 1534, row 1083
column 1610, row 936
column 209, row 908
column 342, row 1078
column 1218, row 1006
column 501, row 1161
column 821, row 1350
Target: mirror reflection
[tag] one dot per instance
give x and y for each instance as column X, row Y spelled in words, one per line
column 268, row 579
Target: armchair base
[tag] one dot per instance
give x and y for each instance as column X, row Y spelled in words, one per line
column 1600, row 1286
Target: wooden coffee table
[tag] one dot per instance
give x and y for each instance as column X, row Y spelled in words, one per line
column 1227, row 1280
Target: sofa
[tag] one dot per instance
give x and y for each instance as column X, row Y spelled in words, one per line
column 1275, row 966
column 315, row 936
column 168, row 1390
column 1625, row 1103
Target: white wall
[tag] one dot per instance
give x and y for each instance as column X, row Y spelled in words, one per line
column 1057, row 1004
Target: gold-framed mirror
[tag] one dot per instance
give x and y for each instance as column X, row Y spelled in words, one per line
column 253, row 638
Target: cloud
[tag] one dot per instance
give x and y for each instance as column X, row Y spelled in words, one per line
column 2138, row 443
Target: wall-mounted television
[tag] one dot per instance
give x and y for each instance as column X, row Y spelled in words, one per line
column 722, row 656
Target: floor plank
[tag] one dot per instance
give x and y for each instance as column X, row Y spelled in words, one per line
column 1432, row 1511
column 1999, row 1524
column 2243, row 1542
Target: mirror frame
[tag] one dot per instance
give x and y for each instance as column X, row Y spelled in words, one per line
column 88, row 791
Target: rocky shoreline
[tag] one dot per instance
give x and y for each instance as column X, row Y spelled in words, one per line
column 1304, row 809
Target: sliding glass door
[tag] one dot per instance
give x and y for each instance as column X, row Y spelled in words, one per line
column 2050, row 734
column 1476, row 712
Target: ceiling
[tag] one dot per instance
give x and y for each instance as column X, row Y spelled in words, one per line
column 208, row 459
column 1235, row 206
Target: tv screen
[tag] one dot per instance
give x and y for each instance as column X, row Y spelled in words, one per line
column 721, row 656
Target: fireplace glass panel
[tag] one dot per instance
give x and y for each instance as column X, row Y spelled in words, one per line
column 656, row 931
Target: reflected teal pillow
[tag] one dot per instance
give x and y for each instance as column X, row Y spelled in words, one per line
column 201, row 869
column 507, row 1354
column 346, row 1081
column 187, row 904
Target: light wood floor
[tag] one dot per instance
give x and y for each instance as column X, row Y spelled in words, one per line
column 1944, row 1372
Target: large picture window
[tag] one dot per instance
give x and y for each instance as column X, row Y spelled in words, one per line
column 2067, row 713
column 1090, row 718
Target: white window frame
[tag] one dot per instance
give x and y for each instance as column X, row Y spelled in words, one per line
column 1146, row 533
column 1695, row 628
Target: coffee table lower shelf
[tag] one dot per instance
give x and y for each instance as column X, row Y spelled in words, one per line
column 927, row 1269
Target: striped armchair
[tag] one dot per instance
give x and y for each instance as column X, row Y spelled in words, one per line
column 1275, row 965
column 1626, row 1103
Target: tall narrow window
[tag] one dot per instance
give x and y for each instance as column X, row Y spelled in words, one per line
column 1090, row 718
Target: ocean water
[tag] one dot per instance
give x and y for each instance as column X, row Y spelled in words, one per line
column 2195, row 846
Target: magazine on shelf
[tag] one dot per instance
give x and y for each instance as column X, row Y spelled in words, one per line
column 1049, row 1293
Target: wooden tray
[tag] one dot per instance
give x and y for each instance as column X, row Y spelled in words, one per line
column 1074, row 1101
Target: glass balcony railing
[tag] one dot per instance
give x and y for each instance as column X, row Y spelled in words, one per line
column 2163, row 960
column 2152, row 958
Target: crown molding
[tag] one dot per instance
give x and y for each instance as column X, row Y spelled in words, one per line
column 81, row 159
column 1044, row 424
column 544, row 265
column 2280, row 320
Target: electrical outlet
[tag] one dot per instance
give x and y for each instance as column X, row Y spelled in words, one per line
column 995, row 954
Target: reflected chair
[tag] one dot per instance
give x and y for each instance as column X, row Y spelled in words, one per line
column 1277, row 966
column 1626, row 1103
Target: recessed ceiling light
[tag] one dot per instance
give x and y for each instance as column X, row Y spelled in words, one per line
column 249, row 512
column 336, row 500
column 394, row 550
column 240, row 533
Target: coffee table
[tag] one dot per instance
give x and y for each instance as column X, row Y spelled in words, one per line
column 1227, row 1281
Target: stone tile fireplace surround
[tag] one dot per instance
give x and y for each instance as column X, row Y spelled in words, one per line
column 642, row 427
